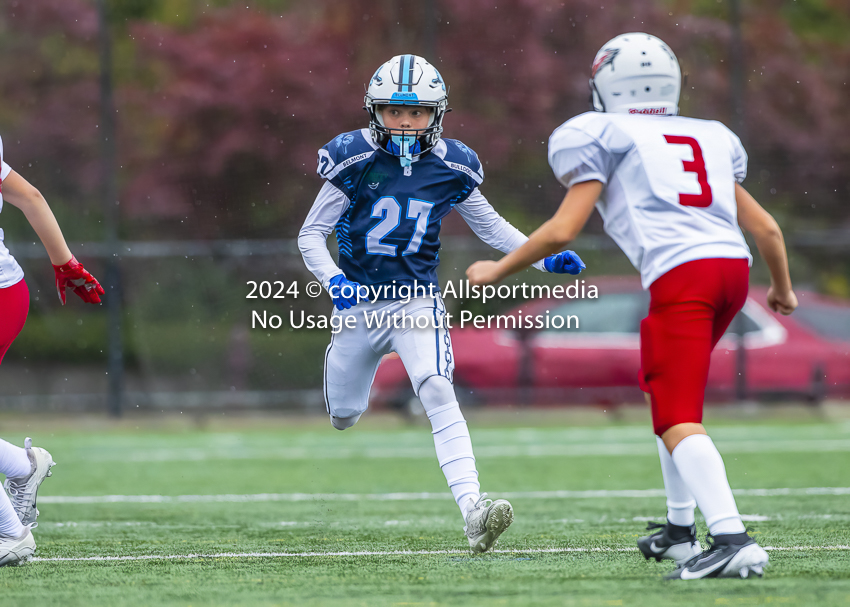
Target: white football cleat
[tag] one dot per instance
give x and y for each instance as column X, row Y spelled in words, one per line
column 17, row 550
column 486, row 521
column 733, row 555
column 23, row 489
column 670, row 542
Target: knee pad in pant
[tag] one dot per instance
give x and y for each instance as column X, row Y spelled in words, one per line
column 343, row 423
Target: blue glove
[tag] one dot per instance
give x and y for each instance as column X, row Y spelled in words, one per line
column 566, row 262
column 337, row 285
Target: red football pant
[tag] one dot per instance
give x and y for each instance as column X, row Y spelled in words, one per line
column 690, row 308
column 14, row 305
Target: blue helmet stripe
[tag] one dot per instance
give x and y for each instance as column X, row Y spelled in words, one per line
column 410, row 74
column 405, row 73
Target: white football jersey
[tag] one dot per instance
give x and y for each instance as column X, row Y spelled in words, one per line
column 669, row 194
column 10, row 272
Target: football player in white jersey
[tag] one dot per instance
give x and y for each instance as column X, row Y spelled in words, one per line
column 26, row 468
column 668, row 189
column 387, row 189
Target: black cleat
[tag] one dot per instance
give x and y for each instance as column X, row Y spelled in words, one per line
column 729, row 555
column 670, row 542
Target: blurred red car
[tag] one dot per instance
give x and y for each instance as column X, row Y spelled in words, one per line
column 806, row 355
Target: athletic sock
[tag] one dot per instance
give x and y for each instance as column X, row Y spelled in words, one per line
column 680, row 500
column 454, row 452
column 14, row 461
column 727, row 526
column 10, row 524
column 701, row 467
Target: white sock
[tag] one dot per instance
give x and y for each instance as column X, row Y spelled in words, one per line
column 451, row 440
column 701, row 467
column 10, row 524
column 466, row 505
column 13, row 460
column 680, row 501
column 454, row 452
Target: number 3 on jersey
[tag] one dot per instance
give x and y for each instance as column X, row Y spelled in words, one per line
column 697, row 165
column 388, row 210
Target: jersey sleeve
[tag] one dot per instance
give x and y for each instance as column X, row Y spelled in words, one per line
column 463, row 160
column 576, row 156
column 739, row 156
column 5, row 169
column 342, row 157
column 329, row 206
column 490, row 227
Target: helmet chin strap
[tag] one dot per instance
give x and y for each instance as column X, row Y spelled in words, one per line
column 596, row 102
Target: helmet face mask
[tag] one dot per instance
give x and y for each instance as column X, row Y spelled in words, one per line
column 636, row 73
column 406, row 80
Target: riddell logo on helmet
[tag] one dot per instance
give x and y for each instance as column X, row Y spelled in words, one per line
column 649, row 110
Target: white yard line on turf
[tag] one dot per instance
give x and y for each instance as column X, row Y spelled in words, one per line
column 168, row 557
column 432, row 521
column 394, row 497
column 146, row 524
column 427, row 452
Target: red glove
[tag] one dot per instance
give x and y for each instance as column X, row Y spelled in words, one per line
column 74, row 276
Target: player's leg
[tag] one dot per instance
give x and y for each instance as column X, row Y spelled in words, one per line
column 728, row 283
column 350, row 366
column 734, row 553
column 427, row 355
column 689, row 303
column 23, row 481
column 676, row 538
column 16, row 541
column 425, row 350
column 13, row 460
column 451, row 440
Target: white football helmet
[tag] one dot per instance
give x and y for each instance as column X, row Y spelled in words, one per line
column 636, row 74
column 407, row 80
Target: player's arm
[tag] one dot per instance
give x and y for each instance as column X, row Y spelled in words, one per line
column 490, row 227
column 549, row 238
column 496, row 231
column 70, row 273
column 771, row 245
column 328, row 207
column 18, row 192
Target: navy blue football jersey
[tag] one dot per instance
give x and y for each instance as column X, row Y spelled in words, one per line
column 391, row 229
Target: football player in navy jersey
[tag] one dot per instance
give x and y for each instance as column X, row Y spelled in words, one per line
column 386, row 191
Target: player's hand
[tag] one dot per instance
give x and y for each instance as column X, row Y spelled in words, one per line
column 483, row 273
column 72, row 275
column 343, row 292
column 782, row 302
column 566, row 262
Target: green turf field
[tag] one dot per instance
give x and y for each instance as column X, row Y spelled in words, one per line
column 292, row 512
